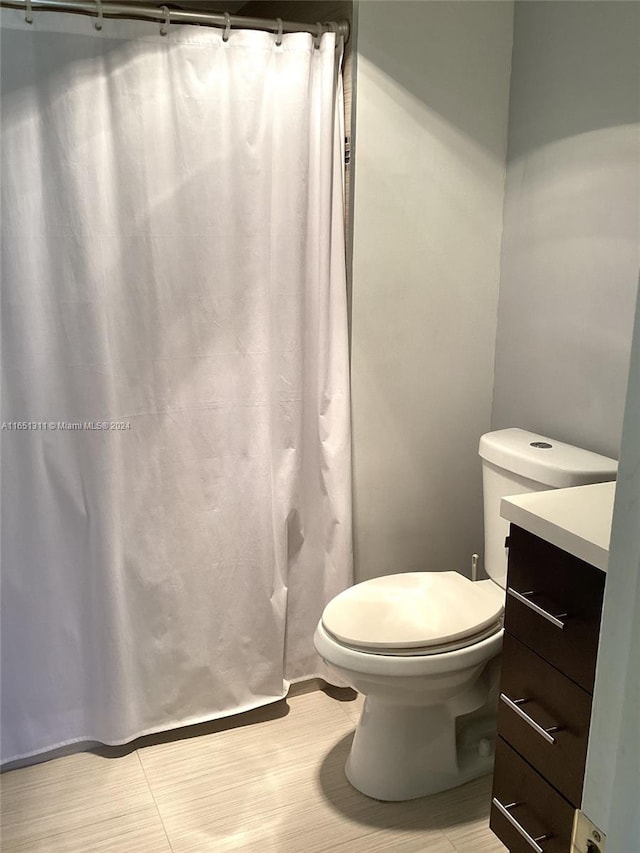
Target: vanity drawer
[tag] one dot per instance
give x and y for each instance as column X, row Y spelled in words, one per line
column 554, row 605
column 533, row 807
column 552, row 700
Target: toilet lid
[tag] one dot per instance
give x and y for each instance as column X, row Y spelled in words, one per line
column 414, row 610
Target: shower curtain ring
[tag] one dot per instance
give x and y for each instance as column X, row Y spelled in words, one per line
column 318, row 35
column 28, row 12
column 98, row 23
column 227, row 27
column 280, row 32
column 164, row 29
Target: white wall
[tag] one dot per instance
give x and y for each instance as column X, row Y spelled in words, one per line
column 571, row 225
column 429, row 161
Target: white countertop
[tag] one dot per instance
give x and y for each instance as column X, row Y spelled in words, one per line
column 578, row 520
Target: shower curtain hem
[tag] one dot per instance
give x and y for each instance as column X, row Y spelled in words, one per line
column 183, row 724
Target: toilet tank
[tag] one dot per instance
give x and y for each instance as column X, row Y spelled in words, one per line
column 515, row 461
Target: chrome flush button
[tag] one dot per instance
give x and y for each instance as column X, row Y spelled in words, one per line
column 543, row 445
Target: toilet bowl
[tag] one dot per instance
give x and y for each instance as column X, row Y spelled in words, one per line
column 417, row 646
column 423, row 647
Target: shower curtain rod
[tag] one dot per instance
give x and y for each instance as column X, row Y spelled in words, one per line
column 176, row 16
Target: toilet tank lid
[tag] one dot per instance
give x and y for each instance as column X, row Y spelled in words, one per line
column 545, row 460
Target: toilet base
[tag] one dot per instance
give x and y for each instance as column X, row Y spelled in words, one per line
column 405, row 752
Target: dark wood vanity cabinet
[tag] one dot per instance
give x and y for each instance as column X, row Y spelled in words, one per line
column 552, row 624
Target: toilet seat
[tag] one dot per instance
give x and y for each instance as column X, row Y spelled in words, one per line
column 415, row 613
column 419, row 651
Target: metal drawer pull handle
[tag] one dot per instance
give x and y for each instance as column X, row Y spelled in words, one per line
column 514, row 704
column 524, row 598
column 504, row 810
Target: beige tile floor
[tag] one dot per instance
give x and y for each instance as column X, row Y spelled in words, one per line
column 274, row 782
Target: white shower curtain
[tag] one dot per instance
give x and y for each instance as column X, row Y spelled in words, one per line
column 173, row 267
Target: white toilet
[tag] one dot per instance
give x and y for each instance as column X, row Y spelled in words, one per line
column 422, row 646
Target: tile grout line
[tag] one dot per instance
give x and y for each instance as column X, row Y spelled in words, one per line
column 347, row 715
column 344, row 710
column 153, row 797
